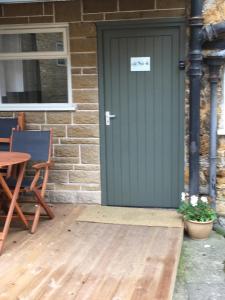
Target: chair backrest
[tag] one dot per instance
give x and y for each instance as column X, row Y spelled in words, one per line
column 36, row 143
column 6, row 127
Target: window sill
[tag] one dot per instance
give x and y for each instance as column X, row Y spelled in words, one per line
column 38, row 107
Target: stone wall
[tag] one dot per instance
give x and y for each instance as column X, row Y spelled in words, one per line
column 76, row 173
column 214, row 12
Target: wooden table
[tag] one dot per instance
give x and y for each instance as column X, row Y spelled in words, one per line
column 9, row 159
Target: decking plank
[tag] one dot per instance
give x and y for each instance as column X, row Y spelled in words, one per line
column 67, row 259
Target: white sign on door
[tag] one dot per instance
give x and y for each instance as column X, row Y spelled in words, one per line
column 140, row 64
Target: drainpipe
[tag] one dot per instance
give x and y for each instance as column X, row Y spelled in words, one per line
column 214, row 63
column 195, row 73
column 213, row 31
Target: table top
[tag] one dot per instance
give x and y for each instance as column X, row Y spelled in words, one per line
column 12, row 158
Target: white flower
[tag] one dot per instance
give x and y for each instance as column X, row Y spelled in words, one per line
column 183, row 196
column 194, row 200
column 204, row 199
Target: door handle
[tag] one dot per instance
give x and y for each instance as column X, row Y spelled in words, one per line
column 108, row 118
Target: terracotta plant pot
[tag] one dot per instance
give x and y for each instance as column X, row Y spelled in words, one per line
column 198, row 230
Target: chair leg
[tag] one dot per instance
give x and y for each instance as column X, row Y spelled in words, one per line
column 36, row 218
column 41, row 201
column 37, row 214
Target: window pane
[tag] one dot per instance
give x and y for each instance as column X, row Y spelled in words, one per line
column 33, row 81
column 30, row 42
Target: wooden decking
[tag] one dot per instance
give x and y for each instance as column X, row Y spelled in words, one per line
column 66, row 259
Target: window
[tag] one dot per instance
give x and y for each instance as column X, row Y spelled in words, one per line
column 35, row 68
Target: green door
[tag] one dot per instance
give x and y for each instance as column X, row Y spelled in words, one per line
column 141, row 112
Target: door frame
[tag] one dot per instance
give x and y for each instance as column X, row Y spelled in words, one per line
column 103, row 27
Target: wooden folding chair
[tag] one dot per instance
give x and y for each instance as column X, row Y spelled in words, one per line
column 38, row 145
column 6, row 127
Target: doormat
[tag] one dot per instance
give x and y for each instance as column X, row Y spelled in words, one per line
column 131, row 216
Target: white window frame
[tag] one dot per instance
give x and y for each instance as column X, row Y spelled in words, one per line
column 65, row 54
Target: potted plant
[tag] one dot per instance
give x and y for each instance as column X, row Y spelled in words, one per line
column 198, row 216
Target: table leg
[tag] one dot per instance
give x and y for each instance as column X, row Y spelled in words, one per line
column 12, row 204
column 9, row 196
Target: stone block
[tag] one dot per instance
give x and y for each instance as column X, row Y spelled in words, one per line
column 213, row 11
column 89, row 70
column 83, row 131
column 221, row 143
column 66, row 160
column 163, row 13
column 35, row 117
column 84, row 60
column 66, row 151
column 122, row 15
column 59, row 166
column 50, row 186
column 63, row 196
column 67, row 187
column 204, row 177
column 6, row 114
column 89, row 197
column 23, row 9
column 59, row 117
column 93, row 17
column 221, row 172
column 204, row 144
column 48, row 8
column 136, row 4
column 96, row 6
column 85, row 96
column 57, row 130
column 86, row 29
column 220, row 182
column 76, row 70
column 43, row 19
column 13, row 20
column 160, row 4
column 160, row 13
column 83, row 45
column 67, row 11
column 84, row 117
column 80, row 141
column 33, row 127
column 84, row 81
column 221, row 205
column 83, row 167
column 58, row 176
column 87, row 106
column 90, row 154
column 84, row 176
column 91, row 187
